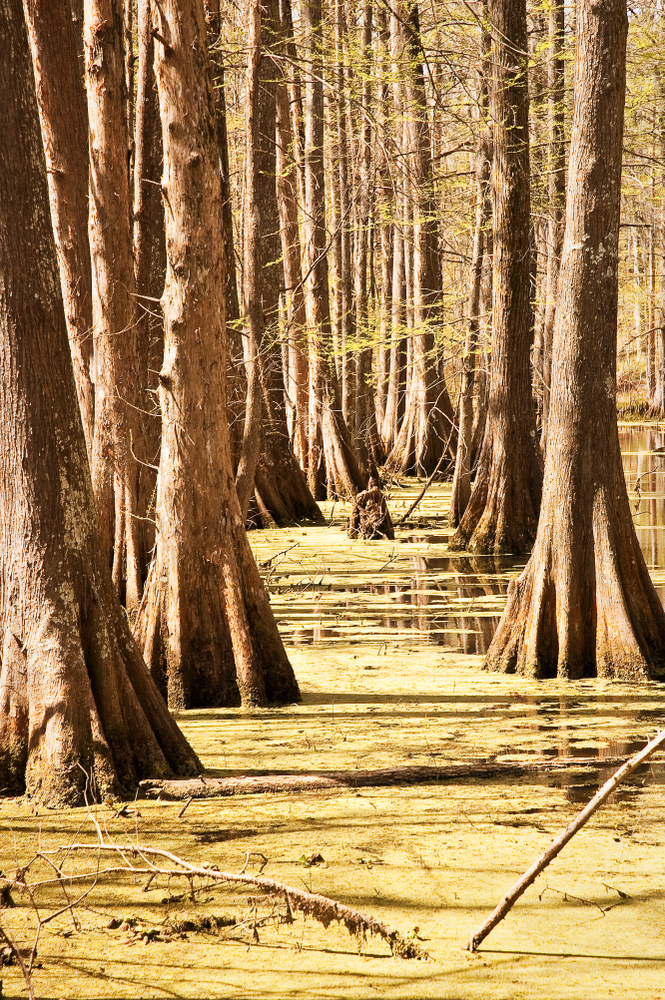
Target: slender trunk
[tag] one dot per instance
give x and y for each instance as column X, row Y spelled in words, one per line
column 461, row 491
column 253, row 286
column 236, row 375
column 556, row 191
column 149, row 272
column 295, row 300
column 282, row 492
column 394, row 408
column 428, row 426
column 365, row 413
column 342, row 181
column 115, row 471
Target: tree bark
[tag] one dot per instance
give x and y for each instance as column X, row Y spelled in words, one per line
column 394, row 408
column 502, row 514
column 206, row 626
column 149, row 272
column 556, row 191
column 254, row 231
column 461, row 490
column 64, row 121
column 115, row 472
column 78, row 710
column 285, row 166
column 585, row 605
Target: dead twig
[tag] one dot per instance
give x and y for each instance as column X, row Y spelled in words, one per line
column 422, row 493
column 326, row 911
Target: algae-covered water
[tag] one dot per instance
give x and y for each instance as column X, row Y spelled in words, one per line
column 387, row 640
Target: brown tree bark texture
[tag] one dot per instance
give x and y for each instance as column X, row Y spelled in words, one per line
column 585, row 605
column 149, row 247
column 502, row 514
column 77, row 706
column 205, row 622
column 64, row 120
column 115, row 472
column 556, row 191
column 254, row 318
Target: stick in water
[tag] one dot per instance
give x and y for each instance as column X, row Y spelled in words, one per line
column 557, row 845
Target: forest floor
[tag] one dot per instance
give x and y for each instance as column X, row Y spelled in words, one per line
column 376, row 633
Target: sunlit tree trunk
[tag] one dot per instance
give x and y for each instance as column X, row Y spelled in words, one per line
column 556, row 190
column 295, row 300
column 282, row 493
column 464, row 457
column 115, row 471
column 64, row 121
column 206, row 626
column 585, row 605
column 502, row 514
column 79, row 713
column 331, row 459
column 427, row 429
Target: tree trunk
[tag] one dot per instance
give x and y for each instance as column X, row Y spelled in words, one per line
column 79, row 713
column 365, row 412
column 254, row 287
column 585, row 605
column 64, row 122
column 205, row 623
column 502, row 514
column 295, row 300
column 556, row 190
column 282, row 492
column 149, row 272
column 115, row 471
column 428, row 426
column 331, row 458
column 394, row 409
column 236, row 375
column 461, row 491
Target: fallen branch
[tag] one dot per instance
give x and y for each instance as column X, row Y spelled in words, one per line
column 405, row 517
column 210, row 788
column 530, row 876
column 323, row 909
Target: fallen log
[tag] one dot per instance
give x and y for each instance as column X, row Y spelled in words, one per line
column 209, row 787
column 557, row 845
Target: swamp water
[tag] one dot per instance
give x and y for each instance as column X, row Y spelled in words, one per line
column 387, row 641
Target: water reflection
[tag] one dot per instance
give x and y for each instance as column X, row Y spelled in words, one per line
column 446, row 600
column 424, row 594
